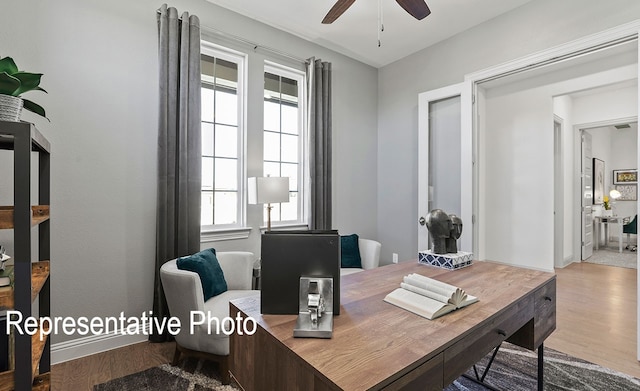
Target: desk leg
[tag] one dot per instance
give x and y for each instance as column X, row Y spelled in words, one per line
column 620, row 237
column 541, row 367
column 479, row 379
column 596, row 227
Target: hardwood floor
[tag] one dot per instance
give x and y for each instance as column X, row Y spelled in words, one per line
column 597, row 315
column 596, row 321
column 83, row 373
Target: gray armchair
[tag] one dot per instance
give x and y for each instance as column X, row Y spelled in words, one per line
column 370, row 255
column 183, row 291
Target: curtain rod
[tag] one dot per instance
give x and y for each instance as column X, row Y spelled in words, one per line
column 246, row 41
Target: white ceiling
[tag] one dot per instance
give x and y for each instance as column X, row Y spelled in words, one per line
column 355, row 33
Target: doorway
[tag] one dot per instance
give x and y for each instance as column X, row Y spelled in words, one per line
column 614, row 147
column 512, row 152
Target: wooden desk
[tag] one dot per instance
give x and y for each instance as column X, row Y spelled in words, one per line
column 378, row 346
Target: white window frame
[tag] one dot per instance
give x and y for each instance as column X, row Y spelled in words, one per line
column 303, row 148
column 219, row 232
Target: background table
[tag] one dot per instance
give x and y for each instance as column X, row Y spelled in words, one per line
column 606, row 220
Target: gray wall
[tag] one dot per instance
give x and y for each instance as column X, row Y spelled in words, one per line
column 99, row 60
column 536, row 26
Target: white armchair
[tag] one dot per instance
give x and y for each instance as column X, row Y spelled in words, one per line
column 370, row 255
column 183, row 291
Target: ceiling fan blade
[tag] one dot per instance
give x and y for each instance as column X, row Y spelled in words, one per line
column 417, row 8
column 338, row 9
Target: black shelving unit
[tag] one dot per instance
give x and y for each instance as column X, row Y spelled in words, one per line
column 31, row 279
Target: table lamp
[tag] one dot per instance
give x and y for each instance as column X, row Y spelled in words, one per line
column 614, row 195
column 268, row 190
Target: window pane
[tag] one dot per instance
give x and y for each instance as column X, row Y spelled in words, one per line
column 207, row 173
column 226, row 108
column 226, row 208
column 221, row 138
column 291, row 171
column 289, row 148
column 207, row 65
column 282, row 138
column 226, row 73
column 271, row 84
column 271, row 146
column 289, row 119
column 289, row 210
column 226, row 141
column 271, row 116
column 289, row 89
column 226, row 175
column 272, row 169
column 207, row 104
column 206, row 208
column 207, row 139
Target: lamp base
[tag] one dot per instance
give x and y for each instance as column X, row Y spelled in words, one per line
column 269, row 207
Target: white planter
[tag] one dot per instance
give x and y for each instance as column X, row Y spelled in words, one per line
column 607, row 213
column 10, row 108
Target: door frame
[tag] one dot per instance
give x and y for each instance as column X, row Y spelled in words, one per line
column 463, row 90
column 558, row 201
column 577, row 221
column 579, row 47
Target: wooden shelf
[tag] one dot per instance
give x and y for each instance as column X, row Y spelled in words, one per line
column 39, row 213
column 23, row 138
column 37, row 348
column 40, row 382
column 6, row 381
column 39, row 275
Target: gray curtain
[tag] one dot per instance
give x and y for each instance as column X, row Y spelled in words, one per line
column 319, row 117
column 179, row 145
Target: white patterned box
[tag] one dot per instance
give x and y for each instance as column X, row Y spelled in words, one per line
column 446, row 261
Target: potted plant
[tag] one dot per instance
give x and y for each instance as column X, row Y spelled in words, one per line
column 14, row 83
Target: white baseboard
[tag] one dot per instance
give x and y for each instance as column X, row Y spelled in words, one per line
column 86, row 346
column 566, row 262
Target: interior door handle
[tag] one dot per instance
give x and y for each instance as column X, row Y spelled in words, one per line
column 422, row 221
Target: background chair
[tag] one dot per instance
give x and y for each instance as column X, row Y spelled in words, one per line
column 369, row 254
column 183, row 291
column 630, row 228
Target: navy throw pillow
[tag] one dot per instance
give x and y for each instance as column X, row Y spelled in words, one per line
column 350, row 251
column 206, row 264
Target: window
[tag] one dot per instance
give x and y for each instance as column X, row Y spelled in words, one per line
column 283, row 139
column 223, row 180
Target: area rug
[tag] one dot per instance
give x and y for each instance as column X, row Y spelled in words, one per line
column 513, row 369
column 611, row 257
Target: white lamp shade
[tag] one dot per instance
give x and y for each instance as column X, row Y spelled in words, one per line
column 268, row 190
column 615, row 194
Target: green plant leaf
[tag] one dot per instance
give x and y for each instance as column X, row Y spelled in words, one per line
column 8, row 84
column 7, row 65
column 28, row 82
column 34, row 108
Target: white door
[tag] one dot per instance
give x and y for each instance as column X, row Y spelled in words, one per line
column 444, row 160
column 587, row 196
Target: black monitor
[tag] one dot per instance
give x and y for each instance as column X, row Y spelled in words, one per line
column 289, row 255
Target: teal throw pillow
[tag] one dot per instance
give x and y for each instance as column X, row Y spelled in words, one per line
column 350, row 251
column 206, row 264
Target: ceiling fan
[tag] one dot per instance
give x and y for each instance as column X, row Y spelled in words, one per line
column 416, row 8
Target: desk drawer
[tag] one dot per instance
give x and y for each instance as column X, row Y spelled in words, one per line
column 426, row 377
column 480, row 341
